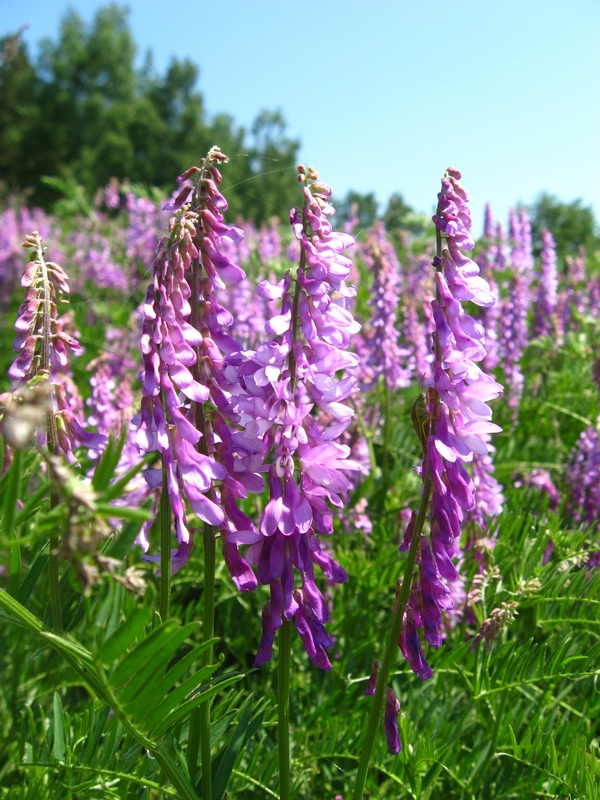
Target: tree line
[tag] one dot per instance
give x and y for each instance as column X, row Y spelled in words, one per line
column 83, row 111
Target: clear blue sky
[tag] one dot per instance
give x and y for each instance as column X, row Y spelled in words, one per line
column 385, row 94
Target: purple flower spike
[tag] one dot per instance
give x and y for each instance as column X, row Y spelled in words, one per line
column 546, row 320
column 292, row 409
column 452, row 420
column 383, row 355
column 513, row 329
column 190, row 376
column 43, row 344
column 583, row 478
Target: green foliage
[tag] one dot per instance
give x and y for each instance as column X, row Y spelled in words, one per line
column 365, row 207
column 572, row 225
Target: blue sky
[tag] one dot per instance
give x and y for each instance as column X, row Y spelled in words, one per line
column 385, row 95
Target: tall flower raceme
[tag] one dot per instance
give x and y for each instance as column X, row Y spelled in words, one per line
column 14, row 226
column 545, row 319
column 43, row 345
column 382, row 352
column 269, row 241
column 111, row 405
column 583, row 478
column 574, row 296
column 453, row 419
column 492, row 260
column 514, row 329
column 288, row 381
column 416, row 326
column 186, row 404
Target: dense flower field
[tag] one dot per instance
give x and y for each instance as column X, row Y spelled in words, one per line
column 385, row 444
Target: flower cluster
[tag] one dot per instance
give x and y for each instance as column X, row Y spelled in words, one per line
column 545, row 320
column 183, row 339
column 583, row 478
column 43, row 346
column 453, row 420
column 513, row 329
column 291, row 386
column 382, row 353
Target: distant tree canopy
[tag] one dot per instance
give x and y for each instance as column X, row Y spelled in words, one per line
column 572, row 224
column 365, row 206
column 83, row 111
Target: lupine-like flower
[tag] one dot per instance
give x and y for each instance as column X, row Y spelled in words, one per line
column 43, row 346
column 514, row 333
column 184, row 336
column 95, row 258
column 489, row 500
column 583, row 478
column 14, row 226
column 382, row 353
column 491, row 258
column 269, row 241
column 452, row 420
column 144, row 229
column 540, row 479
column 545, row 321
column 285, row 379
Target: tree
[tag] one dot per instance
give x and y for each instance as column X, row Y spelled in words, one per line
column 572, row 225
column 84, row 112
column 18, row 110
column 365, row 207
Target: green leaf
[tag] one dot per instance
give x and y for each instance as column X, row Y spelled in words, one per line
column 59, row 748
column 116, row 645
column 149, row 658
column 116, row 488
column 122, row 512
column 19, row 613
column 147, row 715
column 232, row 751
column 69, row 647
column 185, row 708
column 106, row 466
column 160, row 711
column 11, row 491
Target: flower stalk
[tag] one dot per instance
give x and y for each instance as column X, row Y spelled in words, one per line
column 392, row 642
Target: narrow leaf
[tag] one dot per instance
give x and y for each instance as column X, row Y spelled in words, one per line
column 232, row 751
column 60, row 750
column 117, row 644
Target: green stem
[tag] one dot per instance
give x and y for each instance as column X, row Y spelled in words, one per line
column 386, row 437
column 54, row 579
column 199, row 732
column 165, row 549
column 283, row 709
column 13, row 491
column 51, row 433
column 392, row 643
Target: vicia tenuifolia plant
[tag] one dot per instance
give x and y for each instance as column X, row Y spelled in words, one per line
column 293, row 398
column 186, row 405
column 37, row 375
column 453, row 422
